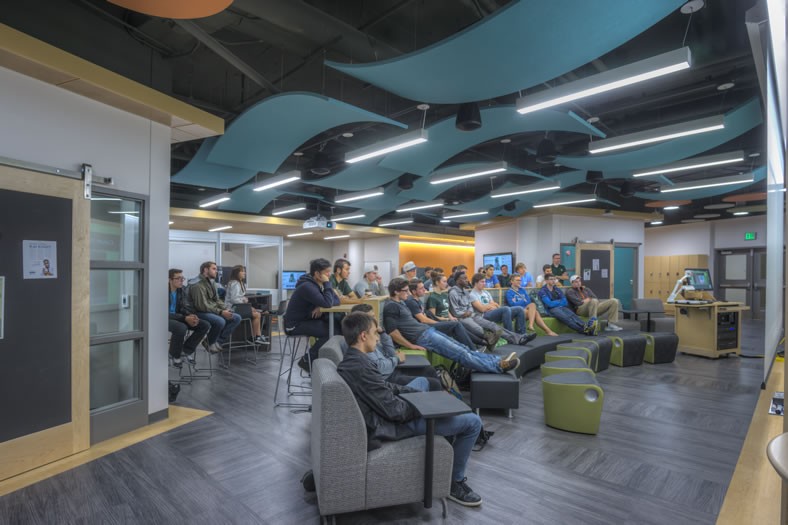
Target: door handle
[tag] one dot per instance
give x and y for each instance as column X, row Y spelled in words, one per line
column 631, row 282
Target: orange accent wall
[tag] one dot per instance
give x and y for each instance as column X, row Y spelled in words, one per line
column 180, row 9
column 435, row 255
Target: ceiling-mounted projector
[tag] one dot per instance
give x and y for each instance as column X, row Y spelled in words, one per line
column 318, row 222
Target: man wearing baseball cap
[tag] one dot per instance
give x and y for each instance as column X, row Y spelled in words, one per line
column 408, row 271
column 585, row 302
column 370, row 282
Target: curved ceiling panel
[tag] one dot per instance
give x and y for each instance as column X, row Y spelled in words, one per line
column 759, row 174
column 245, row 199
column 359, row 176
column 458, row 69
column 737, row 122
column 268, row 132
column 200, row 172
column 447, row 141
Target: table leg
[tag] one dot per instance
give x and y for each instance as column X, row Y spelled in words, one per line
column 330, row 324
column 428, row 460
column 648, row 321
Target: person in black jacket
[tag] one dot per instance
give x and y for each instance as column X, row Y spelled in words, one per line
column 303, row 316
column 183, row 319
column 388, row 417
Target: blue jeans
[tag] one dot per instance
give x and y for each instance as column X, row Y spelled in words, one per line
column 507, row 314
column 569, row 318
column 221, row 328
column 465, row 428
column 444, row 345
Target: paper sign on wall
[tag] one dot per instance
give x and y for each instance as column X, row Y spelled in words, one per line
column 39, row 259
column 604, row 273
column 595, row 264
column 586, row 274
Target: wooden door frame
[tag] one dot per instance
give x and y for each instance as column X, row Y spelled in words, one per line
column 39, row 448
column 596, row 246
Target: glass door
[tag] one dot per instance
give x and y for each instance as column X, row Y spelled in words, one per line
column 735, row 278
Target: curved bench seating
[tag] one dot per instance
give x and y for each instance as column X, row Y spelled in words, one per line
column 563, row 366
column 628, row 348
column 557, row 355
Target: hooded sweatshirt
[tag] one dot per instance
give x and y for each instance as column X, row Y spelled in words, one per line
column 307, row 295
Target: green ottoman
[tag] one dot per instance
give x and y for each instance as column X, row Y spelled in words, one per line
column 557, row 355
column 628, row 349
column 591, row 350
column 563, row 366
column 573, row 402
column 660, row 347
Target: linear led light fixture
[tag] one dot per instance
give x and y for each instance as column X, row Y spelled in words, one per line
column 395, row 223
column 666, row 208
column 467, row 173
column 582, row 200
column 655, row 223
column 349, row 197
column 123, row 212
column 220, row 228
column 278, row 180
column 457, row 215
column 522, row 190
column 336, row 237
column 445, row 220
column 348, row 216
column 216, row 199
column 289, row 209
column 420, row 206
column 697, row 162
column 741, row 213
column 674, row 131
column 403, row 141
column 647, row 69
column 709, row 183
column 299, row 234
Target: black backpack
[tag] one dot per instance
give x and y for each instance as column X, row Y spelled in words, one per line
column 175, row 389
column 461, row 376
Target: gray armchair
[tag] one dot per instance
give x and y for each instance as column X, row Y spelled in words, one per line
column 659, row 321
column 348, row 478
column 332, row 350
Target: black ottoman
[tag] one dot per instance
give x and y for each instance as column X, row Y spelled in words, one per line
column 660, row 347
column 501, row 391
column 628, row 349
column 532, row 354
column 604, row 348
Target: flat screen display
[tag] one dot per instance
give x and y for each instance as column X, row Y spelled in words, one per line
column 290, row 278
column 498, row 260
column 699, row 278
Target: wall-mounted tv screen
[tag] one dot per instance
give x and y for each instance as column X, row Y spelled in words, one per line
column 498, row 260
column 700, row 278
column 290, row 278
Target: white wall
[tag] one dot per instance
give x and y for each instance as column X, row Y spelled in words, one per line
column 47, row 125
column 730, row 233
column 501, row 238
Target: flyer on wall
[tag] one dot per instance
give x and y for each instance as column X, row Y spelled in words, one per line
column 2, row 303
column 39, row 259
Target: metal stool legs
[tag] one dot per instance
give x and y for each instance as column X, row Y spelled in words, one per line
column 293, row 343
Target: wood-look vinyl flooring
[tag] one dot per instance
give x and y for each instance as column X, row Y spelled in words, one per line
column 668, row 443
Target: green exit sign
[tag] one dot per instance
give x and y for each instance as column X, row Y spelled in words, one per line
column 750, row 236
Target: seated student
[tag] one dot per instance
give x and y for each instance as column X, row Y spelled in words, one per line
column 453, row 329
column 303, row 317
column 585, row 302
column 505, row 277
column 557, row 306
column 474, row 322
column 236, row 294
column 546, row 270
column 516, row 295
column 210, row 308
column 482, row 302
column 408, row 332
column 182, row 319
column 409, row 270
column 370, row 282
column 527, row 278
column 386, row 357
column 389, row 417
column 490, row 279
column 459, row 268
column 340, row 284
column 438, row 301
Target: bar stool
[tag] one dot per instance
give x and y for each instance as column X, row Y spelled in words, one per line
column 293, row 343
column 245, row 311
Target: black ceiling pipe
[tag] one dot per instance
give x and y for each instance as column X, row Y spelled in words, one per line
column 469, row 117
column 594, row 177
column 627, row 189
column 546, row 152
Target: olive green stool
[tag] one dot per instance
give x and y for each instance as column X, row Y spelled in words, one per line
column 573, row 402
column 628, row 349
column 557, row 355
column 660, row 347
column 563, row 366
column 591, row 350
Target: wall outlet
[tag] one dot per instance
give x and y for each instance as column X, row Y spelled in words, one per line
column 124, row 301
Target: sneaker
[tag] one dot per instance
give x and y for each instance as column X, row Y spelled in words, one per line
column 510, row 362
column 260, row 340
column 614, row 327
column 191, row 359
column 303, row 364
column 463, row 494
column 592, row 327
column 526, row 338
column 215, row 348
column 177, row 362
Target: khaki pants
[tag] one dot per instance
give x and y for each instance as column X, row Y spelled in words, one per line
column 596, row 308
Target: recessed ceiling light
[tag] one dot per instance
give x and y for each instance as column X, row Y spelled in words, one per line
column 347, row 135
column 445, row 220
column 336, row 237
column 693, row 6
column 171, row 223
column 670, row 208
column 299, row 234
column 200, row 189
column 423, row 107
column 505, row 141
column 741, row 213
column 592, row 120
column 655, row 223
column 725, row 86
column 298, row 154
column 220, row 228
column 754, row 154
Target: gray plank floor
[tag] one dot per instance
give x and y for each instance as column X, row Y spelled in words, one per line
column 668, row 443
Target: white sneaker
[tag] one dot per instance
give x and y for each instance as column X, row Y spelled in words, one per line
column 614, row 327
column 215, row 348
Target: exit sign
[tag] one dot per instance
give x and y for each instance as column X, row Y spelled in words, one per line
column 750, row 236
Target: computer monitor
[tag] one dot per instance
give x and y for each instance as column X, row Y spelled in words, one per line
column 699, row 278
column 290, row 278
column 498, row 260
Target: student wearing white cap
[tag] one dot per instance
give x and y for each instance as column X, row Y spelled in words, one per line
column 408, row 271
column 370, row 283
column 585, row 302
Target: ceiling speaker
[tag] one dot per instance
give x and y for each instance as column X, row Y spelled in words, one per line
column 594, row 177
column 509, row 206
column 469, row 117
column 546, row 152
column 627, row 189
